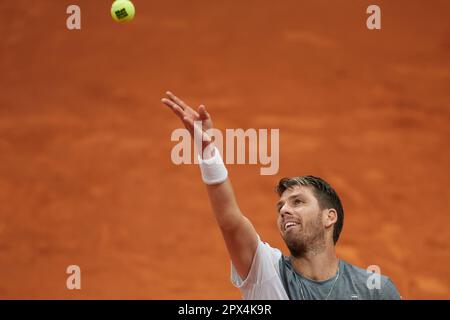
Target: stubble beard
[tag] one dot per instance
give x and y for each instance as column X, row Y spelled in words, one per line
column 309, row 241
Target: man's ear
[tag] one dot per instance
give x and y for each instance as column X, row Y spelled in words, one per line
column 330, row 216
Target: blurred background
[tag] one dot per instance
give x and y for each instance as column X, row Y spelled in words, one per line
column 86, row 176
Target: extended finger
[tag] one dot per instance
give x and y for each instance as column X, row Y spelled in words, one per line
column 177, row 100
column 175, row 108
column 182, row 104
column 204, row 115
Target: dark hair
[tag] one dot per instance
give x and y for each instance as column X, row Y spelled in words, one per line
column 325, row 194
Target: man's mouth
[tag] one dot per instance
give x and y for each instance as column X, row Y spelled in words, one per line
column 290, row 224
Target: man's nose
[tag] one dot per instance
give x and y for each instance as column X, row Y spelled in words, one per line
column 285, row 210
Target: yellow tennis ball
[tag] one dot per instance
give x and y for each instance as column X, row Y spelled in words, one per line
column 122, row 10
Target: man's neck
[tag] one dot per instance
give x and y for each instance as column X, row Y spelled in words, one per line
column 317, row 266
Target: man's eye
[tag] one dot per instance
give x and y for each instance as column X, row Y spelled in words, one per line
column 297, row 201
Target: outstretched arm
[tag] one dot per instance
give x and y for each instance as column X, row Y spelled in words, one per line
column 238, row 232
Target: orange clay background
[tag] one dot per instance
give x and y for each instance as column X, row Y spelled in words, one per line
column 86, row 176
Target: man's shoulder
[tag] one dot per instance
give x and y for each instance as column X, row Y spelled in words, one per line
column 361, row 273
column 265, row 252
column 375, row 285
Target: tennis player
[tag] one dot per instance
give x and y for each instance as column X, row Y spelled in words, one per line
column 310, row 221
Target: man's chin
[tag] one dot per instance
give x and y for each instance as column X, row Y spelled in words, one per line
column 295, row 246
column 291, row 235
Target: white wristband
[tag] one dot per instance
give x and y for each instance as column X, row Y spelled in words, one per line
column 213, row 169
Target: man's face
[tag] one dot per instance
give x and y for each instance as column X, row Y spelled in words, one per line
column 300, row 221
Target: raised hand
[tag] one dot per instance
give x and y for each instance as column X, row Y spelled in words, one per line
column 188, row 116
